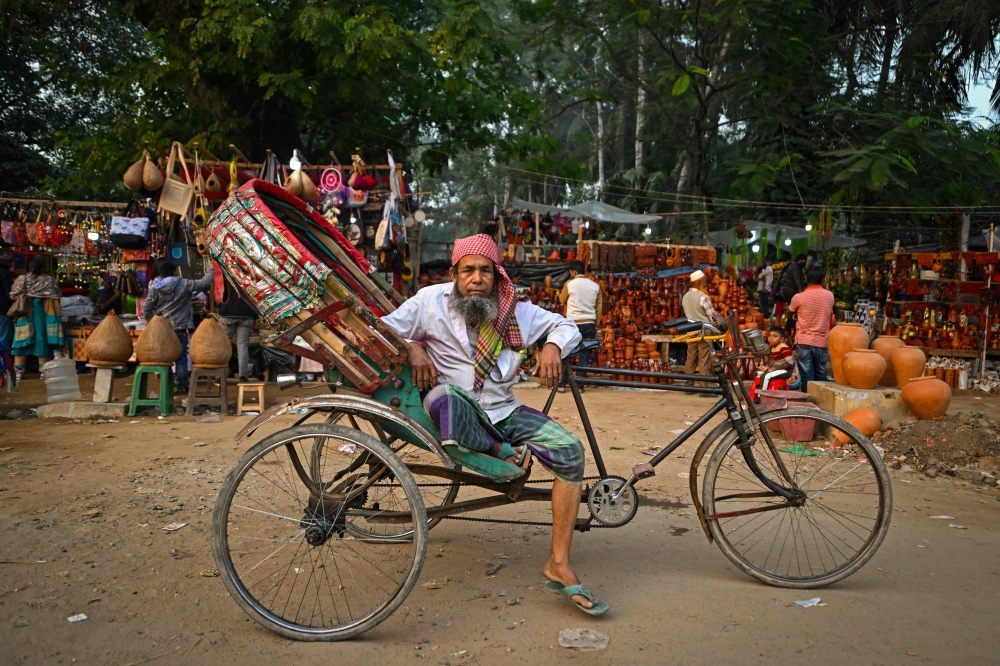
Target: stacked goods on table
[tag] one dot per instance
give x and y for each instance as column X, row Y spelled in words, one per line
column 644, row 258
column 300, row 271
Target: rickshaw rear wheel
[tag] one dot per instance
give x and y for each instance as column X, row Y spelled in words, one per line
column 281, row 539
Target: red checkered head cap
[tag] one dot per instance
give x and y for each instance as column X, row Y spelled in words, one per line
column 480, row 244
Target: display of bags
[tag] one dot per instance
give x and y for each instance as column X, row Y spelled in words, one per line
column 130, row 231
column 177, row 193
column 47, row 233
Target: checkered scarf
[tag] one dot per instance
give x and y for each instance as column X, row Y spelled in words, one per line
column 502, row 331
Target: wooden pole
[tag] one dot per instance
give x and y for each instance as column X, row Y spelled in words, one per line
column 986, row 311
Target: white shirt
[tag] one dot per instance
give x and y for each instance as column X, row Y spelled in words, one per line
column 765, row 279
column 427, row 318
column 581, row 306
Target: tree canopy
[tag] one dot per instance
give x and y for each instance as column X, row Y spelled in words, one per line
column 673, row 106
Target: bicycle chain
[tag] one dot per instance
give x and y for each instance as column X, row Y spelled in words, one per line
column 498, row 521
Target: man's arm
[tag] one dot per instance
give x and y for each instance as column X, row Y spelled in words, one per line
column 202, row 283
column 599, row 308
column 406, row 320
column 793, row 305
column 564, row 294
column 152, row 301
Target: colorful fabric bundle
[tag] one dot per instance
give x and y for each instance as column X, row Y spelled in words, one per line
column 290, row 263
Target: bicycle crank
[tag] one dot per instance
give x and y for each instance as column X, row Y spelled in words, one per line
column 608, row 506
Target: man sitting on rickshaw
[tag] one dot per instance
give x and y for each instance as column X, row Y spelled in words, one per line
column 475, row 330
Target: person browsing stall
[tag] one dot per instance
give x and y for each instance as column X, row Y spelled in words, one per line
column 814, row 308
column 475, row 330
column 582, row 298
column 170, row 297
column 697, row 305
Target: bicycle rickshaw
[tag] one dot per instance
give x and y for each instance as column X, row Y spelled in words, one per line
column 320, row 530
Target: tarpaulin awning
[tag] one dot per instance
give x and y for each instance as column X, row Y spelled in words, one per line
column 787, row 232
column 594, row 210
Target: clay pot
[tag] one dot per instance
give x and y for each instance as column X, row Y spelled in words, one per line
column 210, row 346
column 158, row 344
column 865, row 419
column 907, row 362
column 844, row 338
column 927, row 397
column 110, row 345
column 863, row 368
column 885, row 345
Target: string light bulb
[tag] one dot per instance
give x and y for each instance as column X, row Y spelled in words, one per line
column 788, row 241
column 755, row 248
column 809, row 227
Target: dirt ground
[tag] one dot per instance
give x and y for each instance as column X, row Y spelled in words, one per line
column 83, row 506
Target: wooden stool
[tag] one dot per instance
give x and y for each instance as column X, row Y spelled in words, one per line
column 195, row 400
column 254, row 387
column 104, row 382
column 140, row 389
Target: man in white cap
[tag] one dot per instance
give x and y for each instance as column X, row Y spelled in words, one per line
column 698, row 306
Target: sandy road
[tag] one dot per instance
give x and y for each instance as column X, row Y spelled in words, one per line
column 91, row 501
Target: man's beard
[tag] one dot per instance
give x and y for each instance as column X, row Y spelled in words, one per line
column 475, row 310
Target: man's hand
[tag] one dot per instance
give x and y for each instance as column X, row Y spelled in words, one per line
column 549, row 366
column 422, row 370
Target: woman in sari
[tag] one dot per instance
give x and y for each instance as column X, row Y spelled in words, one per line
column 39, row 332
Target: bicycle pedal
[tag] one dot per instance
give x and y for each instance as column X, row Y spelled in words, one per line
column 643, row 470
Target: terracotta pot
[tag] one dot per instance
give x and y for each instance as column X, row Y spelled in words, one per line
column 885, row 345
column 844, row 338
column 865, row 419
column 863, row 367
column 210, row 346
column 109, row 345
column 927, row 397
column 158, row 344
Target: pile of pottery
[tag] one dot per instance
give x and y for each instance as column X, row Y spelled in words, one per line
column 727, row 297
column 889, row 362
column 640, row 305
column 632, row 353
column 546, row 297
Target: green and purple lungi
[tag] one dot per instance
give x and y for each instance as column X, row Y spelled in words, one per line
column 463, row 423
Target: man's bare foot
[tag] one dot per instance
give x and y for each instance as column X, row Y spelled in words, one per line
column 565, row 576
column 517, row 460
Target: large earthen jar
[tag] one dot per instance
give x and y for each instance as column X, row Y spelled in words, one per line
column 158, row 344
column 885, row 345
column 907, row 363
column 210, row 346
column 110, row 345
column 865, row 419
column 844, row 338
column 863, row 368
column 927, row 397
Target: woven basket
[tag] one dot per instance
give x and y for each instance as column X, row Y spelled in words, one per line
column 210, row 346
column 158, row 344
column 109, row 345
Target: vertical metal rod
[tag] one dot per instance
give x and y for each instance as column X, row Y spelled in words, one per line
column 587, row 428
column 552, row 397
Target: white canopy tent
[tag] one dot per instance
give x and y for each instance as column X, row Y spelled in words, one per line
column 592, row 210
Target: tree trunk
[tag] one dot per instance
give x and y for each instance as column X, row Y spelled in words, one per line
column 887, row 50
column 640, row 105
column 600, row 130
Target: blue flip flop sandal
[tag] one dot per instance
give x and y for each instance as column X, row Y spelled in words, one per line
column 599, row 607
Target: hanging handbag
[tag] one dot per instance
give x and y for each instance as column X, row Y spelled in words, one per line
column 19, row 308
column 130, row 231
column 12, row 229
column 269, row 169
column 177, row 192
column 177, row 250
column 356, row 198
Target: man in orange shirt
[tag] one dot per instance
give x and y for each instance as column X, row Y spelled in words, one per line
column 814, row 306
